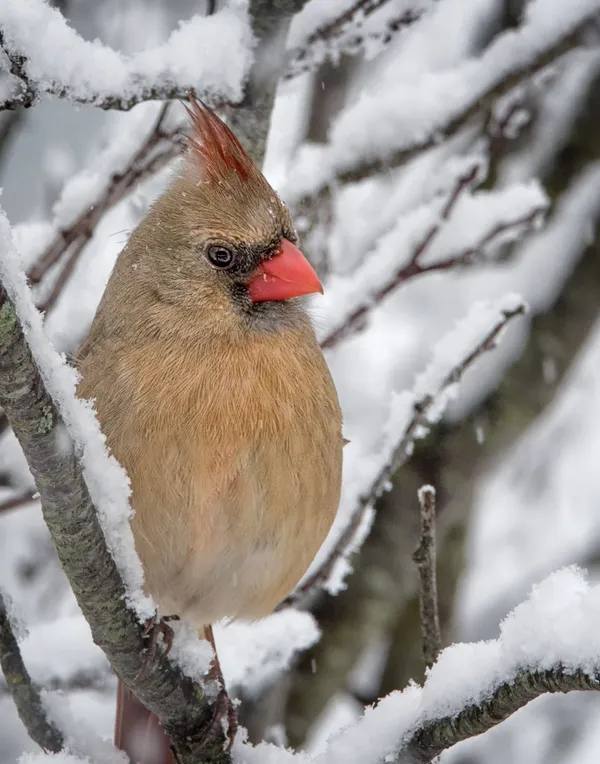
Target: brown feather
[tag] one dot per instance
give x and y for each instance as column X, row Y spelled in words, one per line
column 217, row 148
column 228, row 426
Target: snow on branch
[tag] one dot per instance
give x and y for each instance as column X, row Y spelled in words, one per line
column 84, row 494
column 208, row 55
column 87, row 196
column 390, row 126
column 550, row 643
column 25, row 694
column 132, row 157
column 485, row 220
column 351, row 32
column 411, row 415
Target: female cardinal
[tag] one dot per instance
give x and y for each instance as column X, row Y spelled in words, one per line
column 214, row 395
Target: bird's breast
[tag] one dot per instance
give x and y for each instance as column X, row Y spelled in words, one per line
column 234, row 454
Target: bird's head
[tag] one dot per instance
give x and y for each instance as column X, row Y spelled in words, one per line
column 225, row 238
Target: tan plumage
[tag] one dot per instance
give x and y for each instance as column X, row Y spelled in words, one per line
column 227, row 424
column 218, row 404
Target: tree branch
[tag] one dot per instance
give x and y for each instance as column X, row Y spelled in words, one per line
column 19, row 499
column 157, row 150
column 126, row 81
column 343, row 35
column 439, row 734
column 356, row 319
column 480, row 104
column 425, row 558
column 35, row 416
column 25, row 694
column 422, row 410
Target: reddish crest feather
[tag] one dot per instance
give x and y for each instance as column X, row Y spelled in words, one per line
column 217, row 147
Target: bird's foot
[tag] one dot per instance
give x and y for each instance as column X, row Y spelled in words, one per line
column 154, row 628
column 224, row 719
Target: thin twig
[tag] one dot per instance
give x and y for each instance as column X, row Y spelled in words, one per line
column 17, row 501
column 80, row 679
column 422, row 408
column 28, row 94
column 343, row 35
column 425, row 558
column 25, row 694
column 141, row 166
column 356, row 320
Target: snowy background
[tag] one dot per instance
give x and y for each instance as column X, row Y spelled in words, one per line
column 514, row 459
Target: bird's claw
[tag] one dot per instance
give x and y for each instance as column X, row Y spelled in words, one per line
column 224, row 719
column 154, row 628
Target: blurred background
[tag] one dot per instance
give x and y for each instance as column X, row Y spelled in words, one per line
column 514, row 461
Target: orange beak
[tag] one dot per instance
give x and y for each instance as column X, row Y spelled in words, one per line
column 287, row 274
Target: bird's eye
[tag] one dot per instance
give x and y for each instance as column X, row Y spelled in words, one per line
column 220, row 256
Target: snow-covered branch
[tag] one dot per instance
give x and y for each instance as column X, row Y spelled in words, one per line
column 25, row 694
column 411, row 415
column 346, row 33
column 208, row 55
column 376, row 133
column 380, row 275
column 89, row 195
column 84, row 496
column 548, row 644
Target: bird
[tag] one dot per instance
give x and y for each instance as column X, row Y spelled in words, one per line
column 214, row 395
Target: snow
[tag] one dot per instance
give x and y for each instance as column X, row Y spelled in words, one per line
column 211, row 55
column 474, row 216
column 84, row 189
column 106, row 480
column 252, row 655
column 61, row 652
column 558, row 626
column 433, row 387
column 533, row 512
column 369, row 29
column 53, row 758
column 414, row 109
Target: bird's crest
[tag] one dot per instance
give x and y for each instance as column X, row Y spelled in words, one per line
column 215, row 145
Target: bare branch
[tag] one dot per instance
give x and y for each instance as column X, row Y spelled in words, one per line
column 25, row 694
column 425, row 558
column 356, row 320
column 82, row 679
column 18, row 500
column 422, row 409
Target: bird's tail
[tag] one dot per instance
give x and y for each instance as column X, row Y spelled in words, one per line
column 138, row 732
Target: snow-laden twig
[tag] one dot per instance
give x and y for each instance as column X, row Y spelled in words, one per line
column 208, row 55
column 550, row 643
column 364, row 293
column 411, row 415
column 425, row 558
column 378, row 133
column 345, row 34
column 77, row 219
column 65, row 451
column 25, row 694
column 117, row 171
